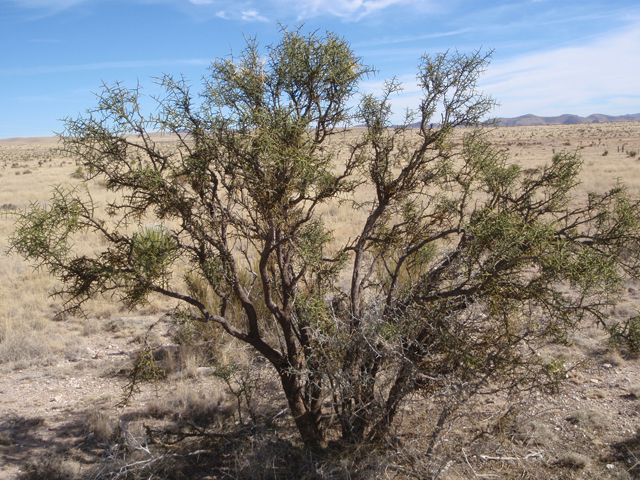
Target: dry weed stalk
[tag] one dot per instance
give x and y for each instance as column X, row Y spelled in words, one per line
column 116, row 466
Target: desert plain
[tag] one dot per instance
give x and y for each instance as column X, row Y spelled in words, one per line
column 62, row 378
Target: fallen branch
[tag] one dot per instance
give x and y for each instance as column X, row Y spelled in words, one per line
column 512, row 459
column 125, row 470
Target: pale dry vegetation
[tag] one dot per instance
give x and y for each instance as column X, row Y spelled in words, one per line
column 64, row 377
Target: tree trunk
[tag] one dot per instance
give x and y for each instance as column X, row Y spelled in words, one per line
column 397, row 393
column 308, row 422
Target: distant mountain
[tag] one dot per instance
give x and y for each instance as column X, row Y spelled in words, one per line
column 566, row 119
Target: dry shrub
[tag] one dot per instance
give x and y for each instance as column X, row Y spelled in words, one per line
column 189, row 332
column 182, row 360
column 50, row 467
column 572, row 460
column 100, row 426
column 90, row 326
column 634, row 391
column 160, row 407
column 254, row 386
column 114, row 325
column 588, row 419
column 613, row 358
column 8, row 207
column 261, row 454
column 533, row 432
column 266, row 457
column 193, row 407
column 201, row 408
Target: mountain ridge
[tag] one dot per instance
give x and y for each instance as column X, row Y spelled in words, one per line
column 566, row 119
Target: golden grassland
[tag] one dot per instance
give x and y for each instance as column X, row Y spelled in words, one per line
column 30, row 339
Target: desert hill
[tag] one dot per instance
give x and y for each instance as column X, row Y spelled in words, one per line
column 531, row 120
column 528, row 120
column 566, row 119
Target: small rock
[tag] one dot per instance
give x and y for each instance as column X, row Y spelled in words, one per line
column 606, row 365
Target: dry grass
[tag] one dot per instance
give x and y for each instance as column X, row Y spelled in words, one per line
column 573, row 429
column 26, row 333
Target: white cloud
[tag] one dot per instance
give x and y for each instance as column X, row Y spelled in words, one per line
column 253, row 16
column 250, row 15
column 347, row 9
column 599, row 77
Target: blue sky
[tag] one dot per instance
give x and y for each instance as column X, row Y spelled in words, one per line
column 551, row 56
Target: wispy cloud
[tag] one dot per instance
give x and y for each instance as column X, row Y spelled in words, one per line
column 346, row 9
column 409, row 39
column 531, row 26
column 598, row 76
column 576, row 79
column 303, row 9
column 248, row 15
column 352, row 10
